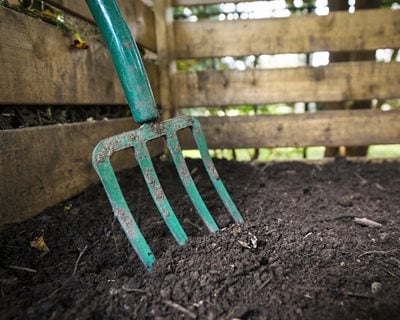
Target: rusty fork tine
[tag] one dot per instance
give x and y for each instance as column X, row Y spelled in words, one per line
column 212, row 172
column 102, row 164
column 157, row 193
column 187, row 181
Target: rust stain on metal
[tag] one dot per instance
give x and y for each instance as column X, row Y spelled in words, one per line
column 177, row 148
column 184, row 172
column 100, row 157
column 133, row 136
column 188, row 119
column 138, row 154
column 107, row 150
column 158, row 193
column 149, row 177
column 166, row 213
column 212, row 170
column 126, row 220
column 157, row 128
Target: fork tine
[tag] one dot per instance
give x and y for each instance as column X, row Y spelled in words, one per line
column 157, row 193
column 212, row 172
column 122, row 212
column 187, row 181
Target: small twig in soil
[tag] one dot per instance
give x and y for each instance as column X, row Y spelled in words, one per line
column 158, row 222
column 391, row 273
column 380, row 187
column 133, row 290
column 359, row 209
column 377, row 252
column 194, row 171
column 69, row 279
column 307, row 235
column 264, row 167
column 367, row 222
column 363, row 181
column 180, row 308
column 22, row 269
column 265, row 283
column 192, row 224
column 77, row 261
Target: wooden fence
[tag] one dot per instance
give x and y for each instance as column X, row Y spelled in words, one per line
column 40, row 167
column 344, row 81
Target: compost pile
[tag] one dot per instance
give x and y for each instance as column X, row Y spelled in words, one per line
column 300, row 254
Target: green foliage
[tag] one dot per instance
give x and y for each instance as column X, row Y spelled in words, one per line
column 194, row 65
column 200, row 12
column 384, row 151
column 388, row 3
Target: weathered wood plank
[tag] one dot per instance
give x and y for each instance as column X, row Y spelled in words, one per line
column 42, row 166
column 139, row 17
column 336, row 82
column 39, row 66
column 325, row 128
column 164, row 21
column 338, row 31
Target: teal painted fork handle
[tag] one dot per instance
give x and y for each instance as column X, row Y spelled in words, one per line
column 126, row 57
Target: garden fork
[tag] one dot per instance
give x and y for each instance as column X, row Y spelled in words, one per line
column 140, row 98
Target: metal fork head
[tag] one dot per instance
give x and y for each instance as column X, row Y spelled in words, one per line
column 137, row 139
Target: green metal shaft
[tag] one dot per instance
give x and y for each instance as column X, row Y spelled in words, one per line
column 126, row 57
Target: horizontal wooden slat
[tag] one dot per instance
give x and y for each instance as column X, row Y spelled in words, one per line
column 338, row 31
column 325, row 128
column 42, row 166
column 336, row 82
column 39, row 66
column 139, row 17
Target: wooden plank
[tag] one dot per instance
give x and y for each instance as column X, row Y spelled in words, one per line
column 42, row 166
column 39, row 66
column 336, row 82
column 139, row 17
column 164, row 20
column 338, row 31
column 153, row 73
column 325, row 128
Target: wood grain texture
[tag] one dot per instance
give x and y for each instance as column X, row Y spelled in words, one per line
column 165, row 41
column 338, row 31
column 39, row 66
column 139, row 17
column 42, row 166
column 336, row 82
column 325, row 128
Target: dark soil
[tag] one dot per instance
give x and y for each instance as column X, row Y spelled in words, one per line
column 307, row 258
column 23, row 116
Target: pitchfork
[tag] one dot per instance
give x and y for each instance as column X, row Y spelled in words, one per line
column 135, row 83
